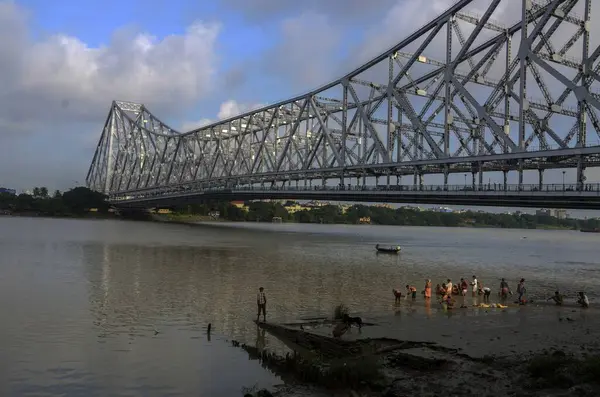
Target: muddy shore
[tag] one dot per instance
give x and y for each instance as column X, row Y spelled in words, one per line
column 521, row 351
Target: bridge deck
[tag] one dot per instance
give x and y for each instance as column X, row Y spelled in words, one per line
column 552, row 196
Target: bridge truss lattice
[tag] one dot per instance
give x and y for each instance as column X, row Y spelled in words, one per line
column 464, row 93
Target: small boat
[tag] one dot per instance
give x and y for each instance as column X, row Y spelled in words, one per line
column 389, row 250
column 594, row 230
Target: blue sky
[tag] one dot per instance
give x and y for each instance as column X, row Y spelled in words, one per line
column 62, row 63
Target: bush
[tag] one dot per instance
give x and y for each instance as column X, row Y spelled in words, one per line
column 340, row 311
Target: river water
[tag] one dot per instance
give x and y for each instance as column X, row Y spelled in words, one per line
column 121, row 308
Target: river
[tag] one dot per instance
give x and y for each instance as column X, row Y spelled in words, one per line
column 121, row 308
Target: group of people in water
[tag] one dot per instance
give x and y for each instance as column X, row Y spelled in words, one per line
column 446, row 291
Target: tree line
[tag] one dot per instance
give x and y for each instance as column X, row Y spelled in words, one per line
column 333, row 214
column 74, row 202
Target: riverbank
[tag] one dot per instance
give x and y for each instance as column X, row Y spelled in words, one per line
column 197, row 219
column 524, row 350
column 86, row 216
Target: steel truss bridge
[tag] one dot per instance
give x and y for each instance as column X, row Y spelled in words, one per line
column 465, row 93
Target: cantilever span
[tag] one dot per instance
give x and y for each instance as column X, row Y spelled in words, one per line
column 466, row 93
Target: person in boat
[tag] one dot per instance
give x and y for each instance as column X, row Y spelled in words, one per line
column 427, row 290
column 504, row 289
column 557, row 298
column 464, row 286
column 411, row 291
column 583, row 300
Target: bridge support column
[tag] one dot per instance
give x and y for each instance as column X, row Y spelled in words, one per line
column 415, row 179
column 473, row 173
column 541, row 179
column 388, row 179
column 377, row 180
column 505, row 175
column 480, row 170
column 446, row 173
column 520, row 175
column 580, row 174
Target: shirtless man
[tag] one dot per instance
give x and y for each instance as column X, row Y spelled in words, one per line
column 557, row 298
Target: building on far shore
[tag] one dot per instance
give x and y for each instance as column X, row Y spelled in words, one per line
column 557, row 213
column 560, row 213
column 543, row 212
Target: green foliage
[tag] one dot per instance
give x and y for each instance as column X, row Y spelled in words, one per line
column 259, row 211
column 73, row 202
column 340, row 311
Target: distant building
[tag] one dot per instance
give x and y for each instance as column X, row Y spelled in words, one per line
column 543, row 212
column 4, row 190
column 560, row 214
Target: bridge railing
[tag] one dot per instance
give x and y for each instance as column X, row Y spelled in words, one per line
column 588, row 189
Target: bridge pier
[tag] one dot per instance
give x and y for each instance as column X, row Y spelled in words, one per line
column 415, row 180
column 540, row 178
column 505, row 175
column 446, row 174
column 580, row 174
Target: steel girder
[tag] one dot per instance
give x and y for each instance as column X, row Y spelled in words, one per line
column 504, row 98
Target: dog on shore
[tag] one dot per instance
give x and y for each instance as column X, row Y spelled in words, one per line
column 353, row 320
column 397, row 294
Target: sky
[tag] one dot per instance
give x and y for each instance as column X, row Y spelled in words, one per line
column 62, row 63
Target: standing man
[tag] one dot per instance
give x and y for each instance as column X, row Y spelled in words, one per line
column 475, row 286
column 261, row 301
column 521, row 291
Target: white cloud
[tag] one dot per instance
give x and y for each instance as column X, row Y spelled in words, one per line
column 57, row 89
column 229, row 108
column 62, row 78
column 192, row 125
column 304, row 57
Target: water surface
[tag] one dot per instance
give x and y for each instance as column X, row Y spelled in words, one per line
column 82, row 300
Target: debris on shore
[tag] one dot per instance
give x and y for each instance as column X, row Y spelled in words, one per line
column 389, row 367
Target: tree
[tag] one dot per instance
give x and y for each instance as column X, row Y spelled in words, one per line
column 36, row 192
column 44, row 192
column 81, row 199
column 57, row 194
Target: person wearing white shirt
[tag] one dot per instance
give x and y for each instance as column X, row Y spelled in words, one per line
column 475, row 286
column 583, row 300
